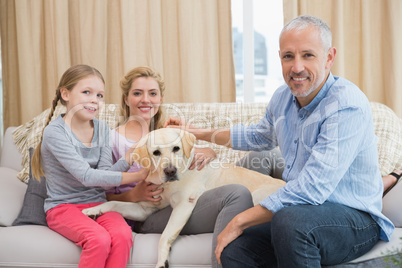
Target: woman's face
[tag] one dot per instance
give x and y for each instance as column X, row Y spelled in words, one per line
column 144, row 98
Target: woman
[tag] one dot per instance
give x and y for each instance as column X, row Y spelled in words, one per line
column 142, row 94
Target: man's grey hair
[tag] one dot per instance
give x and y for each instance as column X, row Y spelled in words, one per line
column 304, row 21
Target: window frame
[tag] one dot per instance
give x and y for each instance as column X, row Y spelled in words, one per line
column 251, row 26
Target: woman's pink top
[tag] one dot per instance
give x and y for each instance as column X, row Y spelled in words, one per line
column 119, row 148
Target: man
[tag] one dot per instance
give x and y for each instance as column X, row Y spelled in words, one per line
column 329, row 212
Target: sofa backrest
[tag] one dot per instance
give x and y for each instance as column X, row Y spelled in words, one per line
column 388, row 128
column 203, row 115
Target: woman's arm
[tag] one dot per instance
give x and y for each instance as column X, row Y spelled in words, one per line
column 143, row 191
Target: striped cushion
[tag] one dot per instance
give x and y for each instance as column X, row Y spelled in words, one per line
column 388, row 129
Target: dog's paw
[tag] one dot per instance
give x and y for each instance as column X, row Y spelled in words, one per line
column 93, row 213
column 166, row 265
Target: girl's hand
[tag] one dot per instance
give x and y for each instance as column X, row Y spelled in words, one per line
column 202, row 156
column 140, row 175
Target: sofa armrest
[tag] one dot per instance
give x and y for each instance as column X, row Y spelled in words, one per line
column 12, row 192
column 392, row 205
column 10, row 156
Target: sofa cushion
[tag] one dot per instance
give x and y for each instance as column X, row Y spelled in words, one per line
column 28, row 136
column 388, row 129
column 36, row 246
column 187, row 250
column 32, row 211
column 39, row 246
column 12, row 193
column 380, row 255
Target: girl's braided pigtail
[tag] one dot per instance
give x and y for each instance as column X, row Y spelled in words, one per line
column 36, row 162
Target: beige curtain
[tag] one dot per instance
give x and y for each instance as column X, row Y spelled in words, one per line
column 188, row 41
column 368, row 38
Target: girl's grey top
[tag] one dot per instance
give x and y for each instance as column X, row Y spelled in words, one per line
column 75, row 173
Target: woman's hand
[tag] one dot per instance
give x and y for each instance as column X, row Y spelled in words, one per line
column 144, row 191
column 202, row 156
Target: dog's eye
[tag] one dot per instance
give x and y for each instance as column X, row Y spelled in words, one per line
column 176, row 149
column 157, row 153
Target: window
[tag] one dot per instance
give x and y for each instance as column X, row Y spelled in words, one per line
column 1, row 102
column 256, row 25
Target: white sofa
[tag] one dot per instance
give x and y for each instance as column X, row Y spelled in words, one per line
column 38, row 246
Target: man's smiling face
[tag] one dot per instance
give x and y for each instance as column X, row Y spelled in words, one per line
column 305, row 63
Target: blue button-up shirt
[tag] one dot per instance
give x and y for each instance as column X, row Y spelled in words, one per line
column 329, row 147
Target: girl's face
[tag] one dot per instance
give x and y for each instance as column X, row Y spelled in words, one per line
column 144, row 98
column 85, row 99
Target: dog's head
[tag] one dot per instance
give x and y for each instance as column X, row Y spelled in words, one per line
column 166, row 152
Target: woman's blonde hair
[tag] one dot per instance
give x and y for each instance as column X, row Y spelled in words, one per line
column 68, row 81
column 125, row 85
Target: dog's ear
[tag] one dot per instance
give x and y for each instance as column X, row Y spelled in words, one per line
column 188, row 142
column 141, row 155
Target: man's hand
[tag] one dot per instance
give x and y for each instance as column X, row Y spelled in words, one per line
column 250, row 217
column 230, row 233
column 175, row 122
column 202, row 156
column 218, row 136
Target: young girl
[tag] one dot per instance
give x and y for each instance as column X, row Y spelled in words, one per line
column 76, row 158
column 142, row 95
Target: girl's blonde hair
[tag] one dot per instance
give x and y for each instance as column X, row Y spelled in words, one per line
column 68, row 81
column 125, row 85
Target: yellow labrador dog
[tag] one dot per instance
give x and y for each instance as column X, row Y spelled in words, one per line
column 168, row 153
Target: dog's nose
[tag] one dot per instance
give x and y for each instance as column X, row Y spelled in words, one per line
column 170, row 171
